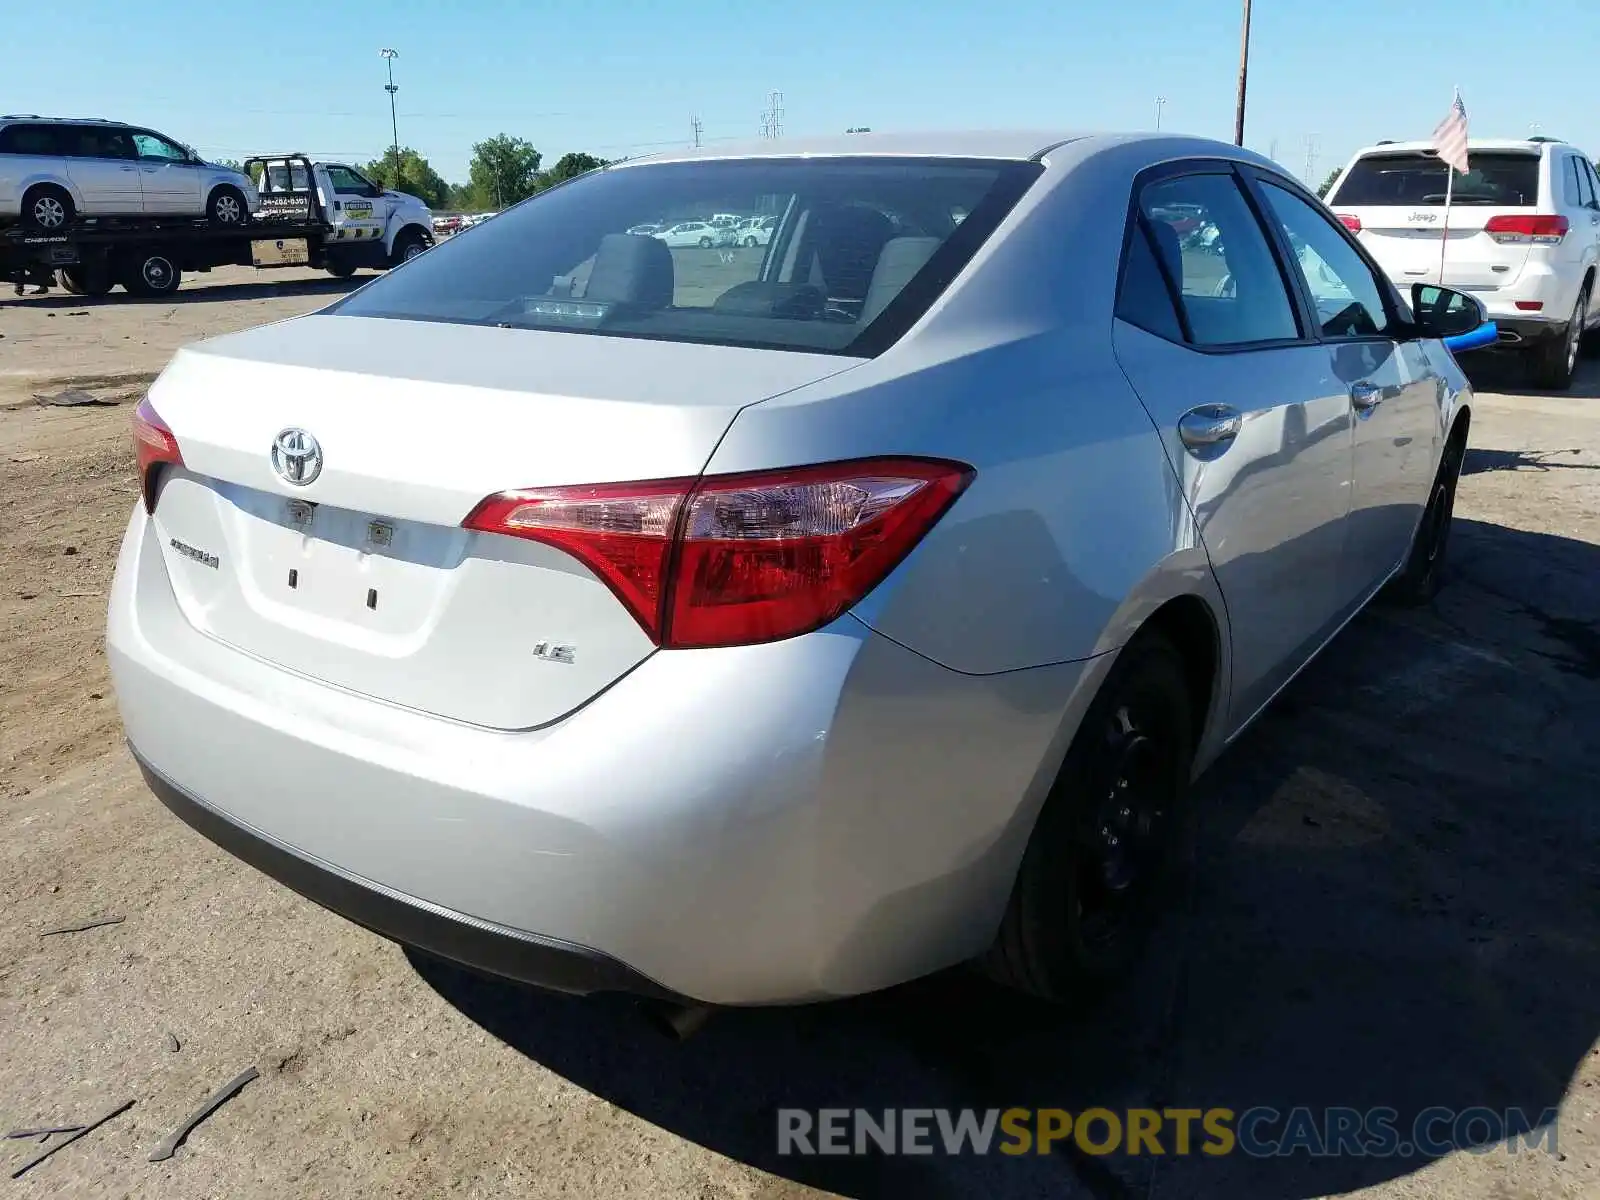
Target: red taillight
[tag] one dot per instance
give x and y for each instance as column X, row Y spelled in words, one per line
column 154, row 445
column 1543, row 230
column 1350, row 221
column 737, row 559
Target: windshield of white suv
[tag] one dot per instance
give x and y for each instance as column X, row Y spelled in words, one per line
column 835, row 255
column 1416, row 179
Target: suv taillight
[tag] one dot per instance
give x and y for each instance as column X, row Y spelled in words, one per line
column 1350, row 221
column 1537, row 229
column 154, row 446
column 737, row 559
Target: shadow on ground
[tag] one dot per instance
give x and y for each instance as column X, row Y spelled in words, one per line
column 1397, row 904
column 1503, row 371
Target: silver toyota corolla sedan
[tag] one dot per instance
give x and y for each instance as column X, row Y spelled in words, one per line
column 772, row 623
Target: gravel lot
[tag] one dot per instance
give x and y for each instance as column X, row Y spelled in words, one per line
column 1397, row 902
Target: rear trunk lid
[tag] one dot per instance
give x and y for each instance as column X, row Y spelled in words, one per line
column 1398, row 198
column 363, row 577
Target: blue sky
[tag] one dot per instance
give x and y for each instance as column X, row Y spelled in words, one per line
column 617, row 77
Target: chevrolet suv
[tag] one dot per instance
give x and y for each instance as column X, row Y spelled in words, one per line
column 53, row 170
column 1523, row 236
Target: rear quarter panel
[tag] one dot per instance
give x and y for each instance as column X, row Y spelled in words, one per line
column 19, row 172
column 1075, row 528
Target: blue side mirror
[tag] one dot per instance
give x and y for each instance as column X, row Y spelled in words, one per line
column 1486, row 334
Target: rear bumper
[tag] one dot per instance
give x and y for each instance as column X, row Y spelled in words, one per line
column 796, row 821
column 547, row 962
column 1526, row 331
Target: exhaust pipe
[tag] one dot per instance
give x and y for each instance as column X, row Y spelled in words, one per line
column 680, row 1022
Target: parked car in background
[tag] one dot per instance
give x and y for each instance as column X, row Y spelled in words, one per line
column 690, row 233
column 769, row 628
column 54, row 170
column 646, row 229
column 755, row 231
column 1524, row 236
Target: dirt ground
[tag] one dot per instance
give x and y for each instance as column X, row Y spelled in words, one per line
column 1396, row 903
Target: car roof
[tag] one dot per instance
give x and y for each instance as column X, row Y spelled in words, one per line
column 1472, row 144
column 37, row 120
column 1017, row 145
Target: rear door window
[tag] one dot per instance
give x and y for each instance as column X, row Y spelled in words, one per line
column 1217, row 255
column 1417, row 179
column 1594, row 182
column 1580, row 194
column 97, row 141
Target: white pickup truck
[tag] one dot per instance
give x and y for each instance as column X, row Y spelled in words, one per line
column 369, row 226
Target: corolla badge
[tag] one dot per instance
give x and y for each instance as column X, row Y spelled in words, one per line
column 296, row 457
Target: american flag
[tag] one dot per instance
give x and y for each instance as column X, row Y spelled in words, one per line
column 1450, row 137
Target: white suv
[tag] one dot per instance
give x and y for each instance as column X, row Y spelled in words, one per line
column 1524, row 236
column 54, row 170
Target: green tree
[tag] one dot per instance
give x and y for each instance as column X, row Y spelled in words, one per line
column 504, row 170
column 569, row 166
column 1327, row 183
column 232, row 163
column 416, row 178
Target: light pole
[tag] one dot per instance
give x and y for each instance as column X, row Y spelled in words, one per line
column 1161, row 102
column 1244, row 72
column 394, row 123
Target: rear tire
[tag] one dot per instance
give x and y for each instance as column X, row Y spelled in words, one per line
column 151, row 273
column 226, row 206
column 1423, row 575
column 1552, row 364
column 341, row 270
column 47, row 208
column 1102, row 856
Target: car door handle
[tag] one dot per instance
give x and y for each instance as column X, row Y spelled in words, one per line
column 1365, row 396
column 1210, row 428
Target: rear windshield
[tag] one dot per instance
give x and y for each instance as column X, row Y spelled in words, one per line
column 1414, row 179
column 835, row 255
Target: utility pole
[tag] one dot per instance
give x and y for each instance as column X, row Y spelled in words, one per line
column 394, row 122
column 1310, row 175
column 1244, row 74
column 1161, row 102
column 696, row 127
column 772, row 119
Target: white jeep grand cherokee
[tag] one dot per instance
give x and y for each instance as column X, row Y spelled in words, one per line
column 1524, row 236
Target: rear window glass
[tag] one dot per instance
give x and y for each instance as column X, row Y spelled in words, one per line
column 833, row 254
column 1414, row 179
column 31, row 139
